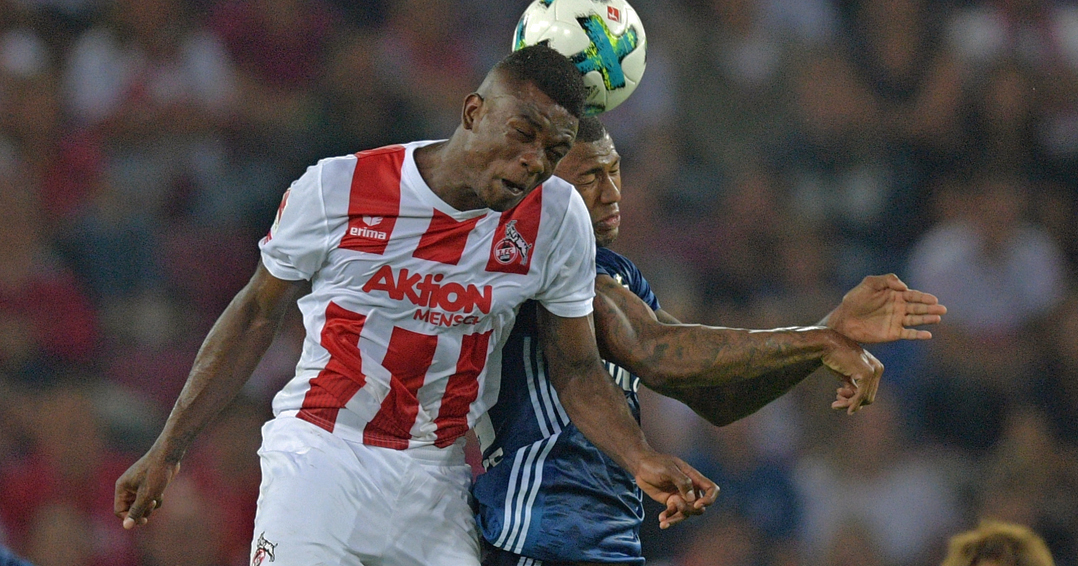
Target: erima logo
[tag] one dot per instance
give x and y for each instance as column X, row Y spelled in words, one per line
column 364, row 232
column 429, row 291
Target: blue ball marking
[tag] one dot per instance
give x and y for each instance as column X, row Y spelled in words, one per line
column 605, row 52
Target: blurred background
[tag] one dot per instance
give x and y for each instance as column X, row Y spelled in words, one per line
column 776, row 152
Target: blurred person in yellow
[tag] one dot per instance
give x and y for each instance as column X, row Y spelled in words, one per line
column 996, row 543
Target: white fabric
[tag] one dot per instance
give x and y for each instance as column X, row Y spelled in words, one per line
column 324, row 501
column 304, row 244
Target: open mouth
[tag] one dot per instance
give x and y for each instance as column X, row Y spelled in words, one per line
column 610, row 222
column 512, row 187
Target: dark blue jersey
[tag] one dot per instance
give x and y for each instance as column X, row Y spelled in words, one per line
column 547, row 492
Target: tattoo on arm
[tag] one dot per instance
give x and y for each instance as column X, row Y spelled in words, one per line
column 723, row 404
column 682, row 355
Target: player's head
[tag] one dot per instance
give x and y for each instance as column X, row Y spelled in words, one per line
column 520, row 123
column 995, row 543
column 593, row 166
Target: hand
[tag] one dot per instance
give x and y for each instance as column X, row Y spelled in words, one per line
column 860, row 372
column 882, row 309
column 672, row 482
column 140, row 489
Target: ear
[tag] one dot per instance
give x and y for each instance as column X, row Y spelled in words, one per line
column 472, row 107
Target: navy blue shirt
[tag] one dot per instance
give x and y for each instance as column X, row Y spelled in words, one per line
column 547, row 492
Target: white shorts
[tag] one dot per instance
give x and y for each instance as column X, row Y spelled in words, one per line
column 325, row 501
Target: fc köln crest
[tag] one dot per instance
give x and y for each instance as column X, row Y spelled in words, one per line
column 513, row 247
column 263, row 550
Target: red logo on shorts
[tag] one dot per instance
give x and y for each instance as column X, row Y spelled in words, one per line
column 263, row 550
column 613, row 14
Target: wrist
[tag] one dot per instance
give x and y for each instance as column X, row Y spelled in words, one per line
column 638, row 457
column 818, row 341
column 169, row 449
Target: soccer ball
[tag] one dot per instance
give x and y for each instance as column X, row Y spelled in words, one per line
column 604, row 38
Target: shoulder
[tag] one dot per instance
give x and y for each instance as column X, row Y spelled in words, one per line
column 559, row 195
column 385, row 161
column 612, row 262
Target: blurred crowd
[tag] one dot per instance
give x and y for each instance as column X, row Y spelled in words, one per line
column 776, row 152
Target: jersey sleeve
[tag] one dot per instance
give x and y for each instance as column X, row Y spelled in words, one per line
column 298, row 242
column 572, row 264
column 624, row 271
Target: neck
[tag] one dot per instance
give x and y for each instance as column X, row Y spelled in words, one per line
column 444, row 168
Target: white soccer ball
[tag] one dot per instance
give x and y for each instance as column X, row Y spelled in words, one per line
column 604, row 38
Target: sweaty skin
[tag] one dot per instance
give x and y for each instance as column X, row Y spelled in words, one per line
column 725, row 374
column 510, row 140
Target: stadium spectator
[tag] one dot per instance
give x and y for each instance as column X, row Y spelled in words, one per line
column 1031, row 478
column 46, row 320
column 754, row 486
column 1003, row 275
column 912, row 502
column 996, row 543
column 54, row 500
column 1016, row 67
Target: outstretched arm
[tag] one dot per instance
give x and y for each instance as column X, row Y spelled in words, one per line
column 725, row 373
column 597, row 407
column 225, row 361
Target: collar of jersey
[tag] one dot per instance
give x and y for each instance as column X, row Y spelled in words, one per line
column 411, row 178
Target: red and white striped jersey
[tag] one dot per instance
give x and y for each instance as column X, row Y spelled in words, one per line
column 411, row 299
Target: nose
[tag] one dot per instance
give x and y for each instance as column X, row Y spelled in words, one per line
column 609, row 192
column 532, row 161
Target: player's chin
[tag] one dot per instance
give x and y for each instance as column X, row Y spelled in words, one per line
column 503, row 204
column 503, row 197
column 605, row 236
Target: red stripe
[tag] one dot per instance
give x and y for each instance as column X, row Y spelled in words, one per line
column 408, row 358
column 375, row 199
column 462, row 389
column 343, row 374
column 444, row 239
column 505, row 255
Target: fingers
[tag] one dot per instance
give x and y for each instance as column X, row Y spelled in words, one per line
column 140, row 510
column 920, row 319
column 911, row 334
column 673, row 514
column 123, row 500
column 705, row 489
column 139, row 492
column 866, row 388
column 893, row 282
column 681, row 488
column 859, row 391
column 683, row 482
column 915, row 296
column 925, row 308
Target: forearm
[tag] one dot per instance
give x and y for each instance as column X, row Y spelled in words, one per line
column 723, row 404
column 665, row 353
column 591, row 399
column 228, row 356
column 597, row 407
column 694, row 355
